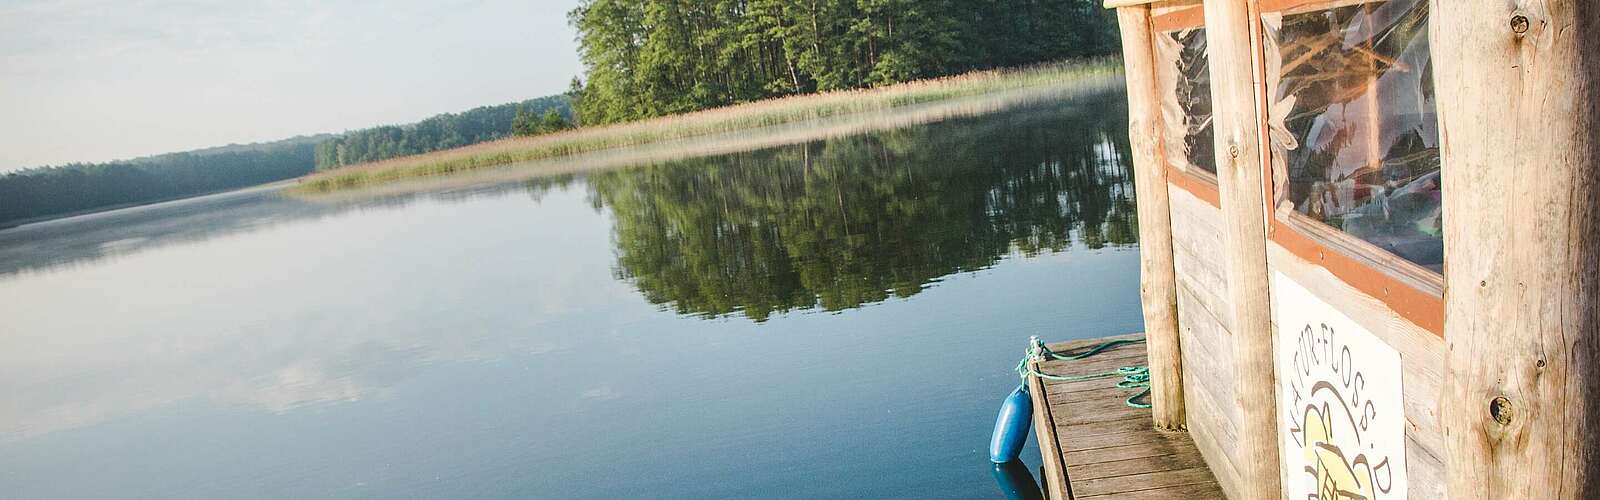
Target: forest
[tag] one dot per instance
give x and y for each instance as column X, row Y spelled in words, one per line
column 653, row 58
column 60, row 190
column 449, row 130
column 44, row 192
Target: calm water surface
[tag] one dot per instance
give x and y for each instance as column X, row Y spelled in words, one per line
column 832, row 319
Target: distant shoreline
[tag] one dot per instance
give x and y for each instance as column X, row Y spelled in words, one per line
column 745, row 126
column 724, row 143
column 767, row 114
column 17, row 224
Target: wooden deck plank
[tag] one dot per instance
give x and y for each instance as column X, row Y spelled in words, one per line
column 1078, row 432
column 1099, row 447
column 1113, row 406
column 1097, row 441
column 1079, row 418
column 1110, row 454
column 1186, row 492
column 1151, row 443
column 1137, row 465
column 1057, row 397
column 1137, row 482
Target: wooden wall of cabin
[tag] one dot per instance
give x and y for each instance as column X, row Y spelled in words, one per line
column 1207, row 346
column 1367, row 286
column 1307, row 250
column 1204, row 334
column 1205, row 325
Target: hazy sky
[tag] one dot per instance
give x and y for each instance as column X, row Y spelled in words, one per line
column 95, row 80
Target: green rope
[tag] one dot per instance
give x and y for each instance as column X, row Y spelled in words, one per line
column 1133, row 377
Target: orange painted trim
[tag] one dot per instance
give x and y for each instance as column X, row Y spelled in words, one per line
column 1422, row 307
column 1306, row 5
column 1425, row 308
column 1200, row 187
column 1178, row 17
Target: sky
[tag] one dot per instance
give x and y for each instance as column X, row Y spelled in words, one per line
column 97, row 80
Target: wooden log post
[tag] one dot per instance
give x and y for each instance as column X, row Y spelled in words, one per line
column 1240, row 184
column 1517, row 86
column 1158, row 290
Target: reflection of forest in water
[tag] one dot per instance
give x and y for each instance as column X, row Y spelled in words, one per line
column 831, row 224
column 844, row 222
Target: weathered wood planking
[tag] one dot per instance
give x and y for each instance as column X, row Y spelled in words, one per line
column 1216, row 445
column 1197, row 251
column 1207, row 350
column 1204, row 321
column 1103, row 448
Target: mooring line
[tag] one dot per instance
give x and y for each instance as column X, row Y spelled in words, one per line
column 1133, row 377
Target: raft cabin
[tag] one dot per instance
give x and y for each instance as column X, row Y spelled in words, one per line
column 1370, row 258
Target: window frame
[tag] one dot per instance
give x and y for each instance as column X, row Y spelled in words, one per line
column 1166, row 17
column 1414, row 292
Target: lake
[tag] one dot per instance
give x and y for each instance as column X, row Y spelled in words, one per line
column 838, row 318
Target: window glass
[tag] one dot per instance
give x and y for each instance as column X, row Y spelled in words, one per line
column 1354, row 136
column 1185, row 78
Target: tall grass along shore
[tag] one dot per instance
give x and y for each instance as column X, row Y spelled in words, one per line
column 737, row 118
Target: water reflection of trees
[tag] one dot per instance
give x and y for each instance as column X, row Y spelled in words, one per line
column 844, row 222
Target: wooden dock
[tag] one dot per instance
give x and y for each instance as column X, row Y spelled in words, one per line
column 1094, row 446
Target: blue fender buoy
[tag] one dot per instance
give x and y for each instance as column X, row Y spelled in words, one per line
column 1011, row 427
column 1016, row 482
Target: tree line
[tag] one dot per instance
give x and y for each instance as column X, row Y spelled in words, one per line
column 653, row 58
column 60, row 190
column 52, row 191
column 449, row 130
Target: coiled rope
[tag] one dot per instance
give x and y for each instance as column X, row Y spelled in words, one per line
column 1133, row 377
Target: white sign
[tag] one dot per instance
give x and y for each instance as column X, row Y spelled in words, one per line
column 1341, row 423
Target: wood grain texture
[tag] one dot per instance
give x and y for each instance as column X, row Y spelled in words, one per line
column 1516, row 85
column 1121, row 485
column 1240, row 182
column 1206, row 344
column 1216, row 444
column 1208, row 348
column 1157, row 292
column 1424, row 473
column 1141, row 460
column 1197, row 251
column 1187, row 492
column 1077, row 432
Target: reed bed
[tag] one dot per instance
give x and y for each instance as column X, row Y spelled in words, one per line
column 741, row 117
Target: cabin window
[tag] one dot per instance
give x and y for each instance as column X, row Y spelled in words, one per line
column 1355, row 141
column 1185, row 79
